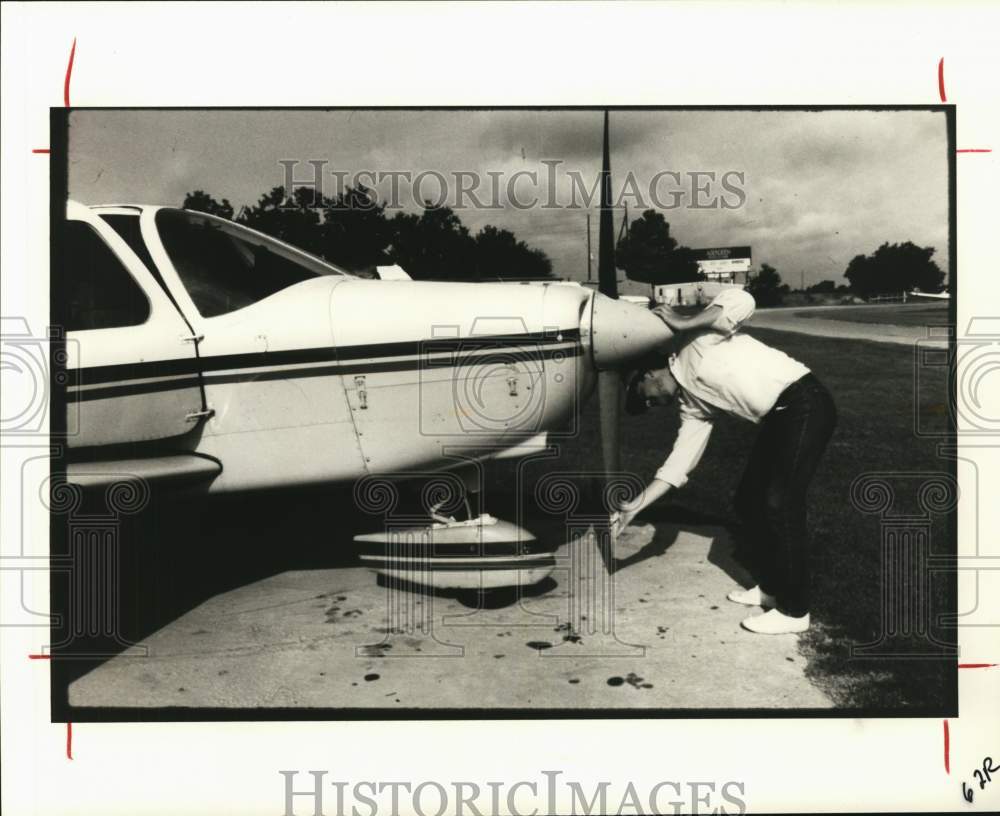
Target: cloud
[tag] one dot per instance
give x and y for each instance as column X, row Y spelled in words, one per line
column 820, row 187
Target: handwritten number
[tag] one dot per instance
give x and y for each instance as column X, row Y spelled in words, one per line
column 984, row 776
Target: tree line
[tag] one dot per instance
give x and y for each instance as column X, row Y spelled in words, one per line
column 890, row 269
column 353, row 231
column 648, row 252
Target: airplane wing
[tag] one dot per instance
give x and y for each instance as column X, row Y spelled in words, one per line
column 393, row 272
column 178, row 469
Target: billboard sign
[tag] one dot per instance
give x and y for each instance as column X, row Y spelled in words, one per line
column 723, row 262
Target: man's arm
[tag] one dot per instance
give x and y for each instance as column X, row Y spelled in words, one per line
column 730, row 309
column 705, row 319
column 692, row 438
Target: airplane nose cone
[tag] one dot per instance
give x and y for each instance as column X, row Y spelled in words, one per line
column 621, row 332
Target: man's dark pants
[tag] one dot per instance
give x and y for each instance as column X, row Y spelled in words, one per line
column 771, row 498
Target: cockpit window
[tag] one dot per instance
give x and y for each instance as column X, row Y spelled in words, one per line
column 100, row 292
column 225, row 267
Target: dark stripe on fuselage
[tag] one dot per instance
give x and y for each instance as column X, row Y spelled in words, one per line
column 123, row 389
column 192, row 365
column 132, row 389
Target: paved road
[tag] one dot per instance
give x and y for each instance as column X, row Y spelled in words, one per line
column 788, row 320
column 335, row 638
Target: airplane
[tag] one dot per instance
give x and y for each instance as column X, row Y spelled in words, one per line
column 206, row 355
column 935, row 295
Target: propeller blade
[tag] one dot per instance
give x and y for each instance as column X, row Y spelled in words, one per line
column 608, row 382
column 609, row 394
column 607, row 275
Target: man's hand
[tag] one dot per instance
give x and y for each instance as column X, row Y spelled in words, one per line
column 668, row 316
column 628, row 510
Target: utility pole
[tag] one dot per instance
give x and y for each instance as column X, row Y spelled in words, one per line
column 590, row 256
column 802, row 279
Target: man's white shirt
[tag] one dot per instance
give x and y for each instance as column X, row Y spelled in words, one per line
column 719, row 369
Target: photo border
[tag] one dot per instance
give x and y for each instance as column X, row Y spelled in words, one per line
column 62, row 712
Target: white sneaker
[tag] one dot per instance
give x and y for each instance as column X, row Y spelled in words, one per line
column 776, row 623
column 754, row 596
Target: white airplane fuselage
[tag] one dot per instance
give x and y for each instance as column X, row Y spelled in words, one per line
column 326, row 380
column 338, row 390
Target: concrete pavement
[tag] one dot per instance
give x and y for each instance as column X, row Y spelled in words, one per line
column 335, row 638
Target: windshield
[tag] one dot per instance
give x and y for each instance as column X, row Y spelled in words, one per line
column 225, row 267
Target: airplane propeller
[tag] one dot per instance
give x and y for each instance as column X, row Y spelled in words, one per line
column 621, row 332
column 608, row 379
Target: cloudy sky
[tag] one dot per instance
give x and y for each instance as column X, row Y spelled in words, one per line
column 817, row 188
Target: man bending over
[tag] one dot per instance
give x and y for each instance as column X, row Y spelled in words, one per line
column 717, row 370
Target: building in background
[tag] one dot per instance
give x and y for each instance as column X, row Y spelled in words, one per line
column 691, row 293
column 720, row 267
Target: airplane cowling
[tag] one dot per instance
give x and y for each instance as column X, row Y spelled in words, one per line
column 434, row 366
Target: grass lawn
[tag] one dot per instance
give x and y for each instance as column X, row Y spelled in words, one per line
column 922, row 314
column 873, row 385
